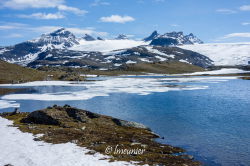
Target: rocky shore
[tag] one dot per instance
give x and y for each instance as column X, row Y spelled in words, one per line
column 120, row 139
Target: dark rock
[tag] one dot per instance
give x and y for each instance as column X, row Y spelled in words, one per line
column 124, row 123
column 121, row 37
column 88, row 38
column 57, row 115
column 16, row 111
column 99, row 38
column 175, row 38
column 48, row 117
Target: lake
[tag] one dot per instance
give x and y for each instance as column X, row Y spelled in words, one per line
column 207, row 116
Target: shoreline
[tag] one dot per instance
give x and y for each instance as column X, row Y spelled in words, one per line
column 98, row 133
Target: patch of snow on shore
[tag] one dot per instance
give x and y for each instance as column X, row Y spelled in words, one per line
column 219, row 72
column 19, row 149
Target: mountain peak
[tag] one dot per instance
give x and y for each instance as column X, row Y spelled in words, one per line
column 122, row 37
column 61, row 32
column 175, row 38
column 152, row 36
column 60, row 38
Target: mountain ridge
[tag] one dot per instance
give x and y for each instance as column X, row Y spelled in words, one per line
column 63, row 48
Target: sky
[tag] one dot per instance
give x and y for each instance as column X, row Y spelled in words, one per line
column 213, row 21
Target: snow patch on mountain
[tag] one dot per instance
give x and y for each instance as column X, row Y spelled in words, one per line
column 155, row 51
column 223, row 54
column 106, row 45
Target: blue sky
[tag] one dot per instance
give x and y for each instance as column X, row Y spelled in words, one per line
column 210, row 20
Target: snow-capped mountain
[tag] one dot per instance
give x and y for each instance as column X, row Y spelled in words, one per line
column 172, row 39
column 118, row 58
column 224, row 54
column 26, row 52
column 60, row 38
column 63, row 48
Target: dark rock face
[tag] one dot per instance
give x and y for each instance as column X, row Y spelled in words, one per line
column 152, row 36
column 174, row 39
column 99, row 38
column 164, row 42
column 122, row 37
column 88, row 38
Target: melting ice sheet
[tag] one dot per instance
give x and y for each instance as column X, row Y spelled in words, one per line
column 8, row 104
column 104, row 87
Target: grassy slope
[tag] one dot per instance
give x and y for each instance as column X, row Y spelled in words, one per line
column 13, row 73
column 164, row 68
column 161, row 68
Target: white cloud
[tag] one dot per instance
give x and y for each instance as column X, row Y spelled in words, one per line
column 237, row 35
column 245, row 23
column 74, row 30
column 99, row 3
column 14, row 35
column 245, row 8
column 226, row 11
column 47, row 29
column 90, row 31
column 23, row 4
column 44, row 16
column 117, row 19
column 9, row 26
column 72, row 9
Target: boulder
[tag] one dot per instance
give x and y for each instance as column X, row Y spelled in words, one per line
column 57, row 115
column 125, row 123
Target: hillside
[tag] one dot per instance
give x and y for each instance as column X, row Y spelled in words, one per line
column 163, row 68
column 12, row 73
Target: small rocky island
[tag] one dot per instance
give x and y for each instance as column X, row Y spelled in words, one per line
column 98, row 133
